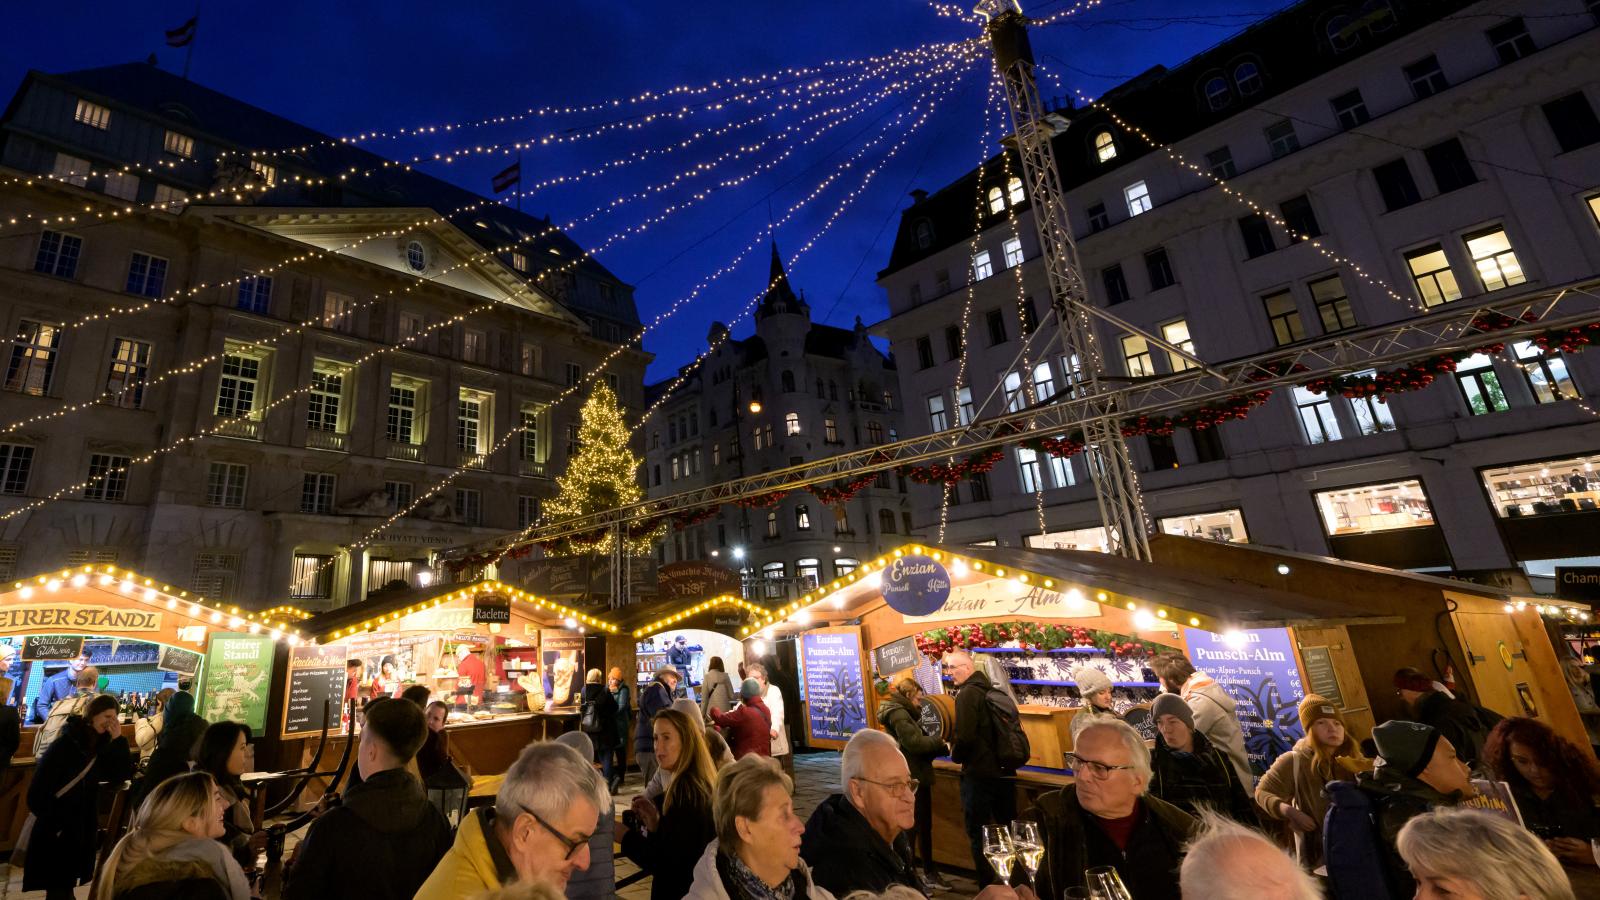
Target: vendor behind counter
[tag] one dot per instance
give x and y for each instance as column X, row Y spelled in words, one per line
column 126, row 667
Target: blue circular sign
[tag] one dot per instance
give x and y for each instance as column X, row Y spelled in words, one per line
column 916, row 585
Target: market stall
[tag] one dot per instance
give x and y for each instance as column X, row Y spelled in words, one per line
column 1032, row 617
column 687, row 635
column 142, row 636
column 511, row 666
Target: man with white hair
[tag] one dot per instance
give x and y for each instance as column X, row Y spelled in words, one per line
column 1105, row 818
column 1227, row 861
column 856, row 840
column 537, row 830
column 988, row 796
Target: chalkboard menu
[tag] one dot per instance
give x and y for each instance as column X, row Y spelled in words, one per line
column 836, row 700
column 316, row 676
column 1256, row 668
column 1320, row 677
column 176, row 659
column 895, row 656
column 52, row 646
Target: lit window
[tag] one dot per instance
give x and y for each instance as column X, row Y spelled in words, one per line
column 178, row 144
column 267, row 173
column 1028, row 465
column 874, row 433
column 830, row 431
column 1430, row 270
column 529, row 417
column 1044, row 384
column 1546, row 373
column 1226, row 525
column 519, row 261
column 325, row 398
column 1072, row 373
column 168, row 198
column 802, row 517
column 130, row 369
column 108, row 478
column 1138, row 197
column 964, row 408
column 1217, row 92
column 791, row 423
column 336, row 311
column 1136, row 351
column 1333, row 305
column 240, row 382
column 1105, row 147
column 1061, row 471
column 1316, row 416
column 122, row 185
column 1480, row 385
column 981, row 266
column 1177, row 334
column 33, row 358
column 1012, row 248
column 1014, row 192
column 1496, row 262
column 71, row 169
column 1284, row 318
column 1543, row 488
column 1375, row 507
column 311, row 577
column 997, row 200
column 225, row 484
column 809, row 571
column 1372, row 415
column 1094, row 540
column 472, row 421
column 401, row 427
column 677, row 470
column 93, row 115
column 1247, row 78
column 1013, row 388
column 937, row 419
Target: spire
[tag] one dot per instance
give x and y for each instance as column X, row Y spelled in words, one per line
column 780, row 297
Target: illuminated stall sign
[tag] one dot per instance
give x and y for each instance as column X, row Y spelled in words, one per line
column 1256, row 667
column 77, row 617
column 997, row 597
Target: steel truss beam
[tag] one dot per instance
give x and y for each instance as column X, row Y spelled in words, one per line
column 1449, row 329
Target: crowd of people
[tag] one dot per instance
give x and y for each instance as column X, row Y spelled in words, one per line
column 1169, row 818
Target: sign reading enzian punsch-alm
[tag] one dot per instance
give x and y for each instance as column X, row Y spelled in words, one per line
column 77, row 617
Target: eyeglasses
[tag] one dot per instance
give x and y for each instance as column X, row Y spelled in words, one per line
column 572, row 844
column 908, row 787
column 1081, row 765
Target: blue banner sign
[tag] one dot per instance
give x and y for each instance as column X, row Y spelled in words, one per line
column 836, row 699
column 1256, row 668
column 915, row 585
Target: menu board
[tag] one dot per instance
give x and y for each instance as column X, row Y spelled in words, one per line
column 1320, row 677
column 836, row 699
column 52, row 646
column 316, row 676
column 895, row 656
column 238, row 675
column 177, row 659
column 1256, row 667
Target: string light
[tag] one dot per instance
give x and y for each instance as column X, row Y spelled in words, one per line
column 725, row 600
column 126, row 580
column 513, row 594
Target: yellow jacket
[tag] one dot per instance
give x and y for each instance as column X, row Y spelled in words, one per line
column 467, row 870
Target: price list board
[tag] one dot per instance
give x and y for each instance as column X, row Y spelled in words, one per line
column 316, row 676
column 833, row 671
column 1256, row 667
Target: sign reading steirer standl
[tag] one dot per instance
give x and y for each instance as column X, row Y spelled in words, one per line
column 76, row 618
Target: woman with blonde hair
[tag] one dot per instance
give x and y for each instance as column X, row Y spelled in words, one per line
column 1474, row 855
column 171, row 851
column 1292, row 790
column 666, row 840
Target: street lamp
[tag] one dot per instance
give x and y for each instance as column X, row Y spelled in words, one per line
column 738, row 553
column 755, row 407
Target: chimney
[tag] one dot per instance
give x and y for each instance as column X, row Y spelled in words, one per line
column 918, row 195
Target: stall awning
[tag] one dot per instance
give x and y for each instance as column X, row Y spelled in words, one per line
column 389, row 606
column 647, row 619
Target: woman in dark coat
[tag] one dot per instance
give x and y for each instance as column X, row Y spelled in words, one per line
column 222, row 753
column 668, row 836
column 605, row 708
column 175, row 749
column 62, row 798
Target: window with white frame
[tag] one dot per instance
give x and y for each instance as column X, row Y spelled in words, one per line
column 316, row 492
column 472, row 345
column 1105, row 147
column 982, row 267
column 1545, row 372
column 1281, row 138
column 169, row 198
column 1012, row 383
column 178, row 144
column 1138, row 197
column 1480, row 385
column 469, row 506
column 403, row 425
column 1431, row 273
column 32, row 367
column 108, row 478
column 1061, row 470
column 1177, row 334
column 16, row 462
column 71, row 169
column 843, row 567
column 1136, row 354
column 1071, row 373
column 311, row 577
column 122, row 185
column 1217, row 93
column 809, row 571
column 1372, row 415
column 1014, row 191
column 1496, row 262
column 472, row 421
column 130, row 370
column 267, row 173
column 1012, row 252
column 937, row 419
column 791, row 423
column 214, row 575
column 675, row 470
column 997, row 200
column 1247, row 78
column 1333, row 304
column 225, row 483
column 399, row 494
column 529, row 443
column 255, row 293
column 147, row 275
column 58, row 254
column 93, row 114
column 1044, row 382
column 239, row 385
column 326, row 396
column 1283, row 316
column 1028, row 465
column 965, row 412
column 1317, row 420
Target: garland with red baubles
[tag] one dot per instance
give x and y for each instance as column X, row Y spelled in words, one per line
column 1032, row 637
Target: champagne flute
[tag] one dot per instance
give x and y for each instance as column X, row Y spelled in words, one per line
column 1106, row 884
column 1030, row 848
column 999, row 851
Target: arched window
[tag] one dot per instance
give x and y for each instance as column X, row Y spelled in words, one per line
column 1378, row 14
column 997, row 200
column 886, row 521
column 1217, row 92
column 1014, row 191
column 1247, row 78
column 924, row 234
column 820, row 394
column 791, row 423
column 1105, row 146
column 772, row 573
column 809, row 571
column 844, row 566
column 772, row 523
column 802, row 517
column 1340, row 35
column 788, row 381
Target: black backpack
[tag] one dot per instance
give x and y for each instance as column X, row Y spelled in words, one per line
column 1011, row 749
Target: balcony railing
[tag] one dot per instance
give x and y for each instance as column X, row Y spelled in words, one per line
column 317, row 439
column 472, row 459
column 407, row 452
column 532, row 468
column 244, row 429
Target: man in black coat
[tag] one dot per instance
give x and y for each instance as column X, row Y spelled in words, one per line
column 1464, row 725
column 856, row 841
column 988, row 796
column 386, row 838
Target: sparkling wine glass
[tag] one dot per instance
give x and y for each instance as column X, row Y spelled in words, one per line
column 999, row 851
column 1028, row 845
column 1106, row 884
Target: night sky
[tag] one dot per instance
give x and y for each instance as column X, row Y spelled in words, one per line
column 369, row 66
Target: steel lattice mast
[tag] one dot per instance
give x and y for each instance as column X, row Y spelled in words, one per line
column 1116, row 488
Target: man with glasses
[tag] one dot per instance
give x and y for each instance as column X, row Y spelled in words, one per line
column 1105, row 818
column 538, row 829
column 988, row 794
column 856, row 841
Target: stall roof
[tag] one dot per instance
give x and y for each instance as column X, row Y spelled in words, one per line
column 390, row 605
column 647, row 619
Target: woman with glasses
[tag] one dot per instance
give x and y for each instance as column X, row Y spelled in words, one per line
column 667, row 839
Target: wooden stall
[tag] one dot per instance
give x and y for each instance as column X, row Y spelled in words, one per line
column 142, row 635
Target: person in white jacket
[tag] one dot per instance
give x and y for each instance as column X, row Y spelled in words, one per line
column 1215, row 713
column 780, row 729
column 756, row 854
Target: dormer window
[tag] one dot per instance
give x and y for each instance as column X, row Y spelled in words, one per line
column 997, row 200
column 1217, row 95
column 1340, row 33
column 1014, row 191
column 1105, row 147
column 1247, row 78
column 924, row 234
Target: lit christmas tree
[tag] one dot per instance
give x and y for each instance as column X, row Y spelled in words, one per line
column 600, row 476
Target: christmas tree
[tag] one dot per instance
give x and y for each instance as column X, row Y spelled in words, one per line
column 600, row 476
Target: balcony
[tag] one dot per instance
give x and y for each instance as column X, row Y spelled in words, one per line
column 472, row 459
column 243, row 429
column 530, row 468
column 326, row 440
column 407, row 452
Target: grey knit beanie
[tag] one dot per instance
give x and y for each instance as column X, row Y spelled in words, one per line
column 1090, row 680
column 1172, row 705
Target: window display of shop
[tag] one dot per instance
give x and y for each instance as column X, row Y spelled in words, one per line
column 1044, row 678
column 1545, row 487
column 688, row 651
column 1375, row 507
column 1226, row 525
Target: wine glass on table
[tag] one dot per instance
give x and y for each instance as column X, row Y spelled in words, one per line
column 998, row 851
column 1106, row 884
column 1029, row 847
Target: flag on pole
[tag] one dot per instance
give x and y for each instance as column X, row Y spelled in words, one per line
column 509, row 178
column 183, row 34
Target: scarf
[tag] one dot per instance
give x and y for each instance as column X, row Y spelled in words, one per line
column 744, row 884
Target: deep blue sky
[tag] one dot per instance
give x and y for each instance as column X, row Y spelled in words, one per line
column 371, row 66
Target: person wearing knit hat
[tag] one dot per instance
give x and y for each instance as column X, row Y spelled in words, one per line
column 1465, row 725
column 748, row 726
column 1417, row 770
column 1188, row 771
column 1094, row 686
column 1292, row 789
